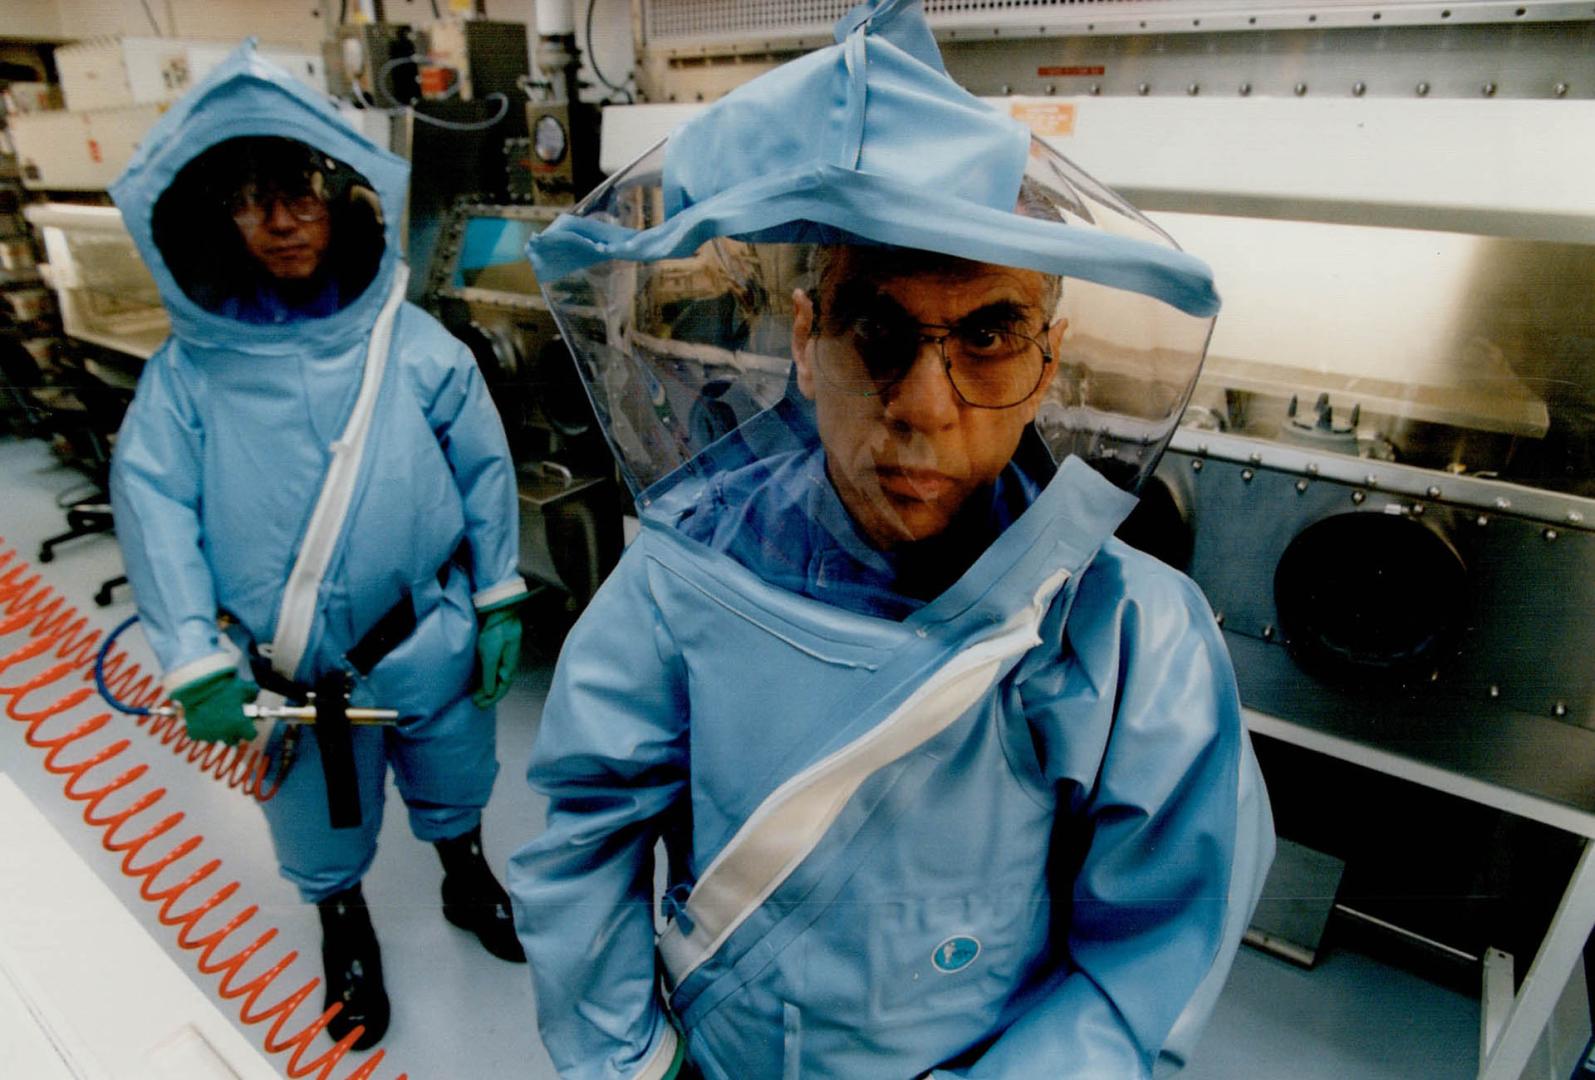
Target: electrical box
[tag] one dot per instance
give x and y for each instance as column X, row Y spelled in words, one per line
column 472, row 58
column 79, row 151
column 375, row 62
column 116, row 72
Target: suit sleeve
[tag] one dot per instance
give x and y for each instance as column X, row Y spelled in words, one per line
column 611, row 756
column 156, row 486
column 469, row 430
column 1139, row 730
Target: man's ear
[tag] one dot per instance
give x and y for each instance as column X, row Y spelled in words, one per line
column 803, row 340
column 1055, row 337
column 1054, row 345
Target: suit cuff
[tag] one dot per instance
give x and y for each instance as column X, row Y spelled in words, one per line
column 665, row 1062
column 497, row 596
column 184, row 674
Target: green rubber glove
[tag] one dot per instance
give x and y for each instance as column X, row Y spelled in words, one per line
column 213, row 708
column 498, row 650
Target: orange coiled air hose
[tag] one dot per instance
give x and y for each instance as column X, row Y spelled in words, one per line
column 55, row 630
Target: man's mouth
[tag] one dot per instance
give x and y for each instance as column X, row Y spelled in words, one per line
column 916, row 484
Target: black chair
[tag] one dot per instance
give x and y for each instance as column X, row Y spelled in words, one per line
column 79, row 414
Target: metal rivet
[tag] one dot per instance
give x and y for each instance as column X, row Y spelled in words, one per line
column 1312, row 468
column 1095, row 90
column 1196, row 464
column 1371, row 480
column 1559, row 709
column 1247, row 474
column 1358, row 497
column 1143, row 89
column 1487, row 89
column 1503, row 503
column 1006, row 90
column 1495, row 691
column 1574, row 517
column 1359, row 88
column 1422, row 89
column 1417, row 509
column 1301, row 486
column 1245, row 89
column 1301, row 89
column 1549, row 534
column 1481, row 521
column 1051, row 89
column 1432, row 492
column 1268, row 633
column 1560, row 89
column 1255, row 457
column 1193, row 89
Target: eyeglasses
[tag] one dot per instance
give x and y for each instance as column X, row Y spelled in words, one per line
column 989, row 368
column 250, row 208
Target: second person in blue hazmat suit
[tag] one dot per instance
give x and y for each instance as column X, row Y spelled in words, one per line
column 319, row 460
column 949, row 781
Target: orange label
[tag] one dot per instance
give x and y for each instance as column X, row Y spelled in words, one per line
column 1045, row 117
column 94, row 151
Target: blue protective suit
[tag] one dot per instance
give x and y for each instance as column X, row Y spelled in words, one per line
column 221, row 460
column 1052, row 884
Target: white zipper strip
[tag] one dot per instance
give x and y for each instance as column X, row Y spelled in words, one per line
column 784, row 830
column 297, row 611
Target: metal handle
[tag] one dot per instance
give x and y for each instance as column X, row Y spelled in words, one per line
column 297, row 714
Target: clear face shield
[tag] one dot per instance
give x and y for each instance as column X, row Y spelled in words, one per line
column 930, row 389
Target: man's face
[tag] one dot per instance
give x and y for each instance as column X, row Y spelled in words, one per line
column 287, row 233
column 905, row 460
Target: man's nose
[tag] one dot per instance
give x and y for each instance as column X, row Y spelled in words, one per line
column 279, row 218
column 924, row 397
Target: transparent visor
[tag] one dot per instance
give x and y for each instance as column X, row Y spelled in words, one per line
column 828, row 392
column 262, row 227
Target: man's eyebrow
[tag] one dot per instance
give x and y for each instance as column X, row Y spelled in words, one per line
column 855, row 298
column 999, row 312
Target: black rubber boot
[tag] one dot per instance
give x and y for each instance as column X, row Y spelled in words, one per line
column 352, row 963
column 474, row 900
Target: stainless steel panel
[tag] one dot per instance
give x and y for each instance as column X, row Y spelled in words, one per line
column 1521, row 638
column 1467, row 354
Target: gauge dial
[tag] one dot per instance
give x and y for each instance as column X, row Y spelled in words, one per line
column 548, row 140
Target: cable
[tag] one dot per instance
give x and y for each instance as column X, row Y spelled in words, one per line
column 592, row 58
column 99, row 672
column 52, row 627
column 150, row 15
column 479, row 125
column 381, row 83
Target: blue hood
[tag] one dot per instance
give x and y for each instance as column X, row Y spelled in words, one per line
column 866, row 139
column 246, row 95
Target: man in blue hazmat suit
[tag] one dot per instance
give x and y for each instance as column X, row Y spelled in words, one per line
column 321, row 461
column 949, row 781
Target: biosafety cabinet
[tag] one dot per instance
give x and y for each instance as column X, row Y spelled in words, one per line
column 1385, row 481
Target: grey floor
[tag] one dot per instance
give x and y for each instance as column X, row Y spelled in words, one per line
column 459, row 1013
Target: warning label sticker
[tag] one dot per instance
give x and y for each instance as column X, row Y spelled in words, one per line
column 1066, row 72
column 1044, row 117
